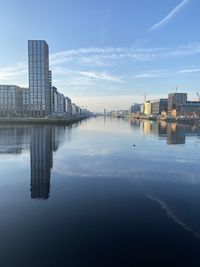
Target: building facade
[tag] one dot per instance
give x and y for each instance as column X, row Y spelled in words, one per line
column 61, row 107
column 190, row 108
column 158, row 106
column 135, row 108
column 25, row 102
column 11, row 101
column 174, row 101
column 39, row 86
column 68, row 106
column 147, row 108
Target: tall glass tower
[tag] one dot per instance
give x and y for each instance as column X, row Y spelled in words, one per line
column 40, row 91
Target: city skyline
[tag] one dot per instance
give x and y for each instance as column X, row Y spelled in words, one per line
column 111, row 57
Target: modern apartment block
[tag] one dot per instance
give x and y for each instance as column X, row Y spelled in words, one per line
column 11, row 102
column 25, row 102
column 76, row 110
column 57, row 103
column 68, row 106
column 39, row 86
column 61, row 109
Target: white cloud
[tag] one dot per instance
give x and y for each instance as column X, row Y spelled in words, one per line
column 150, row 74
column 18, row 69
column 166, row 19
column 102, row 57
column 101, row 76
column 16, row 74
column 77, row 78
column 192, row 70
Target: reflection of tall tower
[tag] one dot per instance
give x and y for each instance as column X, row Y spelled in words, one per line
column 41, row 161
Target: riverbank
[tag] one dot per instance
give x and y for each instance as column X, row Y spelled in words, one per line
column 60, row 121
column 187, row 120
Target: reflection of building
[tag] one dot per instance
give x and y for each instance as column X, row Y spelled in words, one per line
column 175, row 134
column 135, row 124
column 42, row 141
column 13, row 140
column 41, row 161
column 159, row 129
column 58, row 136
column 147, row 127
column 162, row 129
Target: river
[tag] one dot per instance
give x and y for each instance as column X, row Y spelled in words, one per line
column 101, row 192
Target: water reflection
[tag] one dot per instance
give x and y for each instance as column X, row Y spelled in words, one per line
column 110, row 199
column 42, row 141
column 41, row 161
column 14, row 140
column 174, row 133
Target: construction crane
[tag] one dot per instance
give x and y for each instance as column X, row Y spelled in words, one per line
column 145, row 97
column 198, row 95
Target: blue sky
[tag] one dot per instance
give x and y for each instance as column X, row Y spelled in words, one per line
column 106, row 53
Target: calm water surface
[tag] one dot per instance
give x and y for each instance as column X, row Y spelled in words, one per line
column 104, row 192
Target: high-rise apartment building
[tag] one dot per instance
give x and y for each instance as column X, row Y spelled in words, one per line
column 39, row 86
column 41, row 99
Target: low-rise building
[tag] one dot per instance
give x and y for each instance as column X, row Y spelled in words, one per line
column 190, row 108
column 11, row 101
